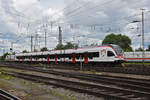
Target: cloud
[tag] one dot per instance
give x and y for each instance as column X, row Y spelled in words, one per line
column 20, row 19
column 92, row 20
column 108, row 16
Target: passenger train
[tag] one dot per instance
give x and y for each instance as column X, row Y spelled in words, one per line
column 137, row 56
column 99, row 54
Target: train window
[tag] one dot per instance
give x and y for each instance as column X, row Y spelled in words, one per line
column 110, row 53
column 68, row 56
column 58, row 56
column 95, row 54
column 40, row 56
column 90, row 55
column 61, row 56
column 51, row 56
column 77, row 56
column 45, row 56
column 28, row 57
column 34, row 57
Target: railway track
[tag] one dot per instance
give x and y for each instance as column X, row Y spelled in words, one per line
column 92, row 89
column 133, row 69
column 7, row 96
column 132, row 84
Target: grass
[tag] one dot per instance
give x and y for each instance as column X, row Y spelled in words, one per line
column 146, row 63
column 5, row 77
column 30, row 85
column 4, row 81
column 61, row 96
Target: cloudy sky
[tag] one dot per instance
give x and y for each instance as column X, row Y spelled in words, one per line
column 82, row 21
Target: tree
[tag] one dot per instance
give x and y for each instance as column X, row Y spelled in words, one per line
column 76, row 46
column 35, row 50
column 148, row 49
column 123, row 41
column 13, row 53
column 44, row 49
column 4, row 56
column 69, row 45
column 59, row 47
column 24, row 51
column 139, row 49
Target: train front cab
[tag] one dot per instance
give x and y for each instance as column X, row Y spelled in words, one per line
column 119, row 54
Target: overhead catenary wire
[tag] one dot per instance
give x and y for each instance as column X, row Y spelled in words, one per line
column 77, row 12
column 102, row 25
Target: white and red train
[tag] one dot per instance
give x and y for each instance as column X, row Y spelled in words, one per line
column 106, row 53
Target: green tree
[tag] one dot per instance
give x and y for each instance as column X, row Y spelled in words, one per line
column 59, row 47
column 24, row 51
column 69, row 45
column 44, row 49
column 4, row 56
column 35, row 50
column 76, row 46
column 139, row 49
column 148, row 49
column 123, row 41
column 13, row 53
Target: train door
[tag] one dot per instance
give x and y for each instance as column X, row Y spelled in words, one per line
column 48, row 59
column 22, row 59
column 55, row 58
column 31, row 59
column 19, row 59
column 73, row 58
column 36, row 59
column 86, row 57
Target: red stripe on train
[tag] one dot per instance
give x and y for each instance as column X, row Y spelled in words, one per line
column 137, row 58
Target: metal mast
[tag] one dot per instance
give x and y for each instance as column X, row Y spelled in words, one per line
column 143, row 34
column 60, row 36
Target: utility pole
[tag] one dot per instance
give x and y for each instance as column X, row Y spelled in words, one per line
column 45, row 36
column 143, row 35
column 11, row 47
column 31, row 43
column 60, row 36
column 35, row 42
column 45, row 39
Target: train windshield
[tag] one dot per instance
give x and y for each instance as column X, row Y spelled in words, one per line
column 118, row 49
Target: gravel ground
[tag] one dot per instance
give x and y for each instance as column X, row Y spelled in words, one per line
column 28, row 90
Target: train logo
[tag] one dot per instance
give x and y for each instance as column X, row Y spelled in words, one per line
column 103, row 52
